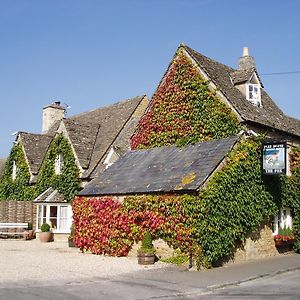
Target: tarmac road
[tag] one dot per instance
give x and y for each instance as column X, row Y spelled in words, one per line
column 281, row 286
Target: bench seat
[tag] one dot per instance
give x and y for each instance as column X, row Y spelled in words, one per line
column 17, row 226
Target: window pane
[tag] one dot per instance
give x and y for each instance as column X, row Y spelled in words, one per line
column 250, row 88
column 40, row 219
column 63, row 222
column 53, row 211
column 44, row 214
column 53, row 216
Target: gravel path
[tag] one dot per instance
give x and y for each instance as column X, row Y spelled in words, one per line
column 35, row 261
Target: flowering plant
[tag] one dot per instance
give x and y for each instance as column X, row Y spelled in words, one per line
column 284, row 235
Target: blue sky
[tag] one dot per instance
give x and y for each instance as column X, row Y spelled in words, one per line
column 92, row 53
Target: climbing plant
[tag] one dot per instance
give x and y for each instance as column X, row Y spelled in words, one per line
column 290, row 193
column 235, row 202
column 67, row 181
column 209, row 224
column 18, row 188
column 184, row 110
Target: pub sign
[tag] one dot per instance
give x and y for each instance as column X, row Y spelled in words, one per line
column 274, row 158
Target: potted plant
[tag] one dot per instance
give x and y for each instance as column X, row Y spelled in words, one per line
column 146, row 253
column 46, row 235
column 28, row 234
column 284, row 237
column 71, row 237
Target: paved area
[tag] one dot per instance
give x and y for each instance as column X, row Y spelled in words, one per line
column 31, row 270
column 25, row 262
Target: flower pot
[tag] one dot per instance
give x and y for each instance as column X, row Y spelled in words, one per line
column 71, row 243
column 28, row 234
column 46, row 237
column 146, row 258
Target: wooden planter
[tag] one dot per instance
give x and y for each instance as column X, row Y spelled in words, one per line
column 284, row 243
column 146, row 258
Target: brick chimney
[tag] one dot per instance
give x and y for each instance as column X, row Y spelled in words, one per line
column 246, row 61
column 52, row 113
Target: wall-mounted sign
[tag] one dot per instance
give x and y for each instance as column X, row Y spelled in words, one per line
column 274, row 158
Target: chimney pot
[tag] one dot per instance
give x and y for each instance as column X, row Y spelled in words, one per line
column 245, row 51
column 246, row 61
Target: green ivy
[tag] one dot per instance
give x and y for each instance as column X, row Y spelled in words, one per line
column 67, row 182
column 234, row 203
column 18, row 189
column 290, row 193
column 184, row 110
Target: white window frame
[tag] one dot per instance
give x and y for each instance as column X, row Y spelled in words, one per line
column 58, row 164
column 14, row 170
column 283, row 219
column 254, row 100
column 41, row 216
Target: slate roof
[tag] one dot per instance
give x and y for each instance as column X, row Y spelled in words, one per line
column 35, row 147
column 241, row 76
column 121, row 144
column 50, row 196
column 267, row 115
column 164, row 169
column 83, row 136
column 95, row 131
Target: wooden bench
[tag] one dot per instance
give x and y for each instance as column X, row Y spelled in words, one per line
column 15, row 226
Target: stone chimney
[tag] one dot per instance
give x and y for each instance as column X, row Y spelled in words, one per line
column 246, row 61
column 52, row 113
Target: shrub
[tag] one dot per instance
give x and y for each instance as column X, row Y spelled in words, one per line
column 147, row 246
column 29, row 226
column 45, row 227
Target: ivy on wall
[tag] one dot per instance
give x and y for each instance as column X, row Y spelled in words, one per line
column 290, row 193
column 234, row 203
column 184, row 110
column 67, row 182
column 18, row 188
column 105, row 226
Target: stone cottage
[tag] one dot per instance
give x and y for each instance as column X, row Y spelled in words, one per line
column 50, row 167
column 201, row 102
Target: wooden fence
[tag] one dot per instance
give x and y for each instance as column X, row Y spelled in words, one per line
column 13, row 211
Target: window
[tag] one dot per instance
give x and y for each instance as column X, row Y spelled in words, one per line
column 58, row 164
column 283, row 220
column 58, row 216
column 14, row 170
column 253, row 94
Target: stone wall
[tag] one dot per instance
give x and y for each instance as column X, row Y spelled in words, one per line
column 259, row 244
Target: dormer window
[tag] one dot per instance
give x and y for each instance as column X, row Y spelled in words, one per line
column 14, row 170
column 253, row 94
column 58, row 164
